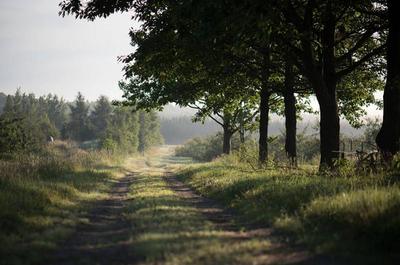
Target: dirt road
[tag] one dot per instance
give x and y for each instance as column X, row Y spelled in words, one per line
column 105, row 238
column 151, row 217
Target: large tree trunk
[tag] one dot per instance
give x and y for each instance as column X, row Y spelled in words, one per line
column 263, row 126
column 290, row 114
column 324, row 82
column 329, row 131
column 388, row 138
column 226, row 147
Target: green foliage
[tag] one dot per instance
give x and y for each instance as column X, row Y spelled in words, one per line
column 25, row 124
column 191, row 52
column 372, row 128
column 206, row 148
column 3, row 99
column 28, row 123
column 149, row 130
column 78, row 128
column 201, row 149
column 121, row 132
column 100, row 117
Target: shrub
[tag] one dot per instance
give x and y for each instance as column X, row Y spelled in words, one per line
column 206, row 148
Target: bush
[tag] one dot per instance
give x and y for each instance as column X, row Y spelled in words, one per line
column 207, row 148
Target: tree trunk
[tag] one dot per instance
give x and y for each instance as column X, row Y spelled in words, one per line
column 388, row 138
column 290, row 114
column 241, row 126
column 329, row 131
column 324, row 81
column 226, row 147
column 263, row 125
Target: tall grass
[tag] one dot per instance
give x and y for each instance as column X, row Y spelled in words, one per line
column 43, row 195
column 340, row 212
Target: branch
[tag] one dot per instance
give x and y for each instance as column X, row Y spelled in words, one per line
column 274, row 100
column 252, row 116
column 379, row 13
column 363, row 39
column 217, row 121
column 194, row 106
column 367, row 57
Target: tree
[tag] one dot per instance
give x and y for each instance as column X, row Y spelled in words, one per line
column 121, row 132
column 101, row 116
column 56, row 110
column 78, row 126
column 388, row 138
column 149, row 131
column 330, row 41
column 231, row 114
column 290, row 112
column 24, row 126
column 184, row 68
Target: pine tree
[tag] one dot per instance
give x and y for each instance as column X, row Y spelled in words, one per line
column 78, row 127
column 101, row 116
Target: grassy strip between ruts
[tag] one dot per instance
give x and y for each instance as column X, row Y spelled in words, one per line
column 357, row 215
column 168, row 229
column 42, row 197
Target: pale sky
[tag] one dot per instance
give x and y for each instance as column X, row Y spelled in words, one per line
column 42, row 52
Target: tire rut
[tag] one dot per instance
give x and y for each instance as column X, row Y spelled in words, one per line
column 225, row 220
column 105, row 239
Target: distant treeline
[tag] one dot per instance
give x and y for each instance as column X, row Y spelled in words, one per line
column 28, row 122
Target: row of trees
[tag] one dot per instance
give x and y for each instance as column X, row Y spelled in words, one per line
column 28, row 123
column 241, row 60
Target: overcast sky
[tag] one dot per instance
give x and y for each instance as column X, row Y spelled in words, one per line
column 44, row 53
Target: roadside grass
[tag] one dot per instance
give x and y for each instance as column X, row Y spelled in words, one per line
column 42, row 197
column 167, row 229
column 352, row 214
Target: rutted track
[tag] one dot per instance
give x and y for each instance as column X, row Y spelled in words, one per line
column 105, row 238
column 224, row 220
column 113, row 238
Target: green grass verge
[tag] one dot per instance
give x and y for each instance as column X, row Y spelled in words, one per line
column 356, row 215
column 42, row 197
